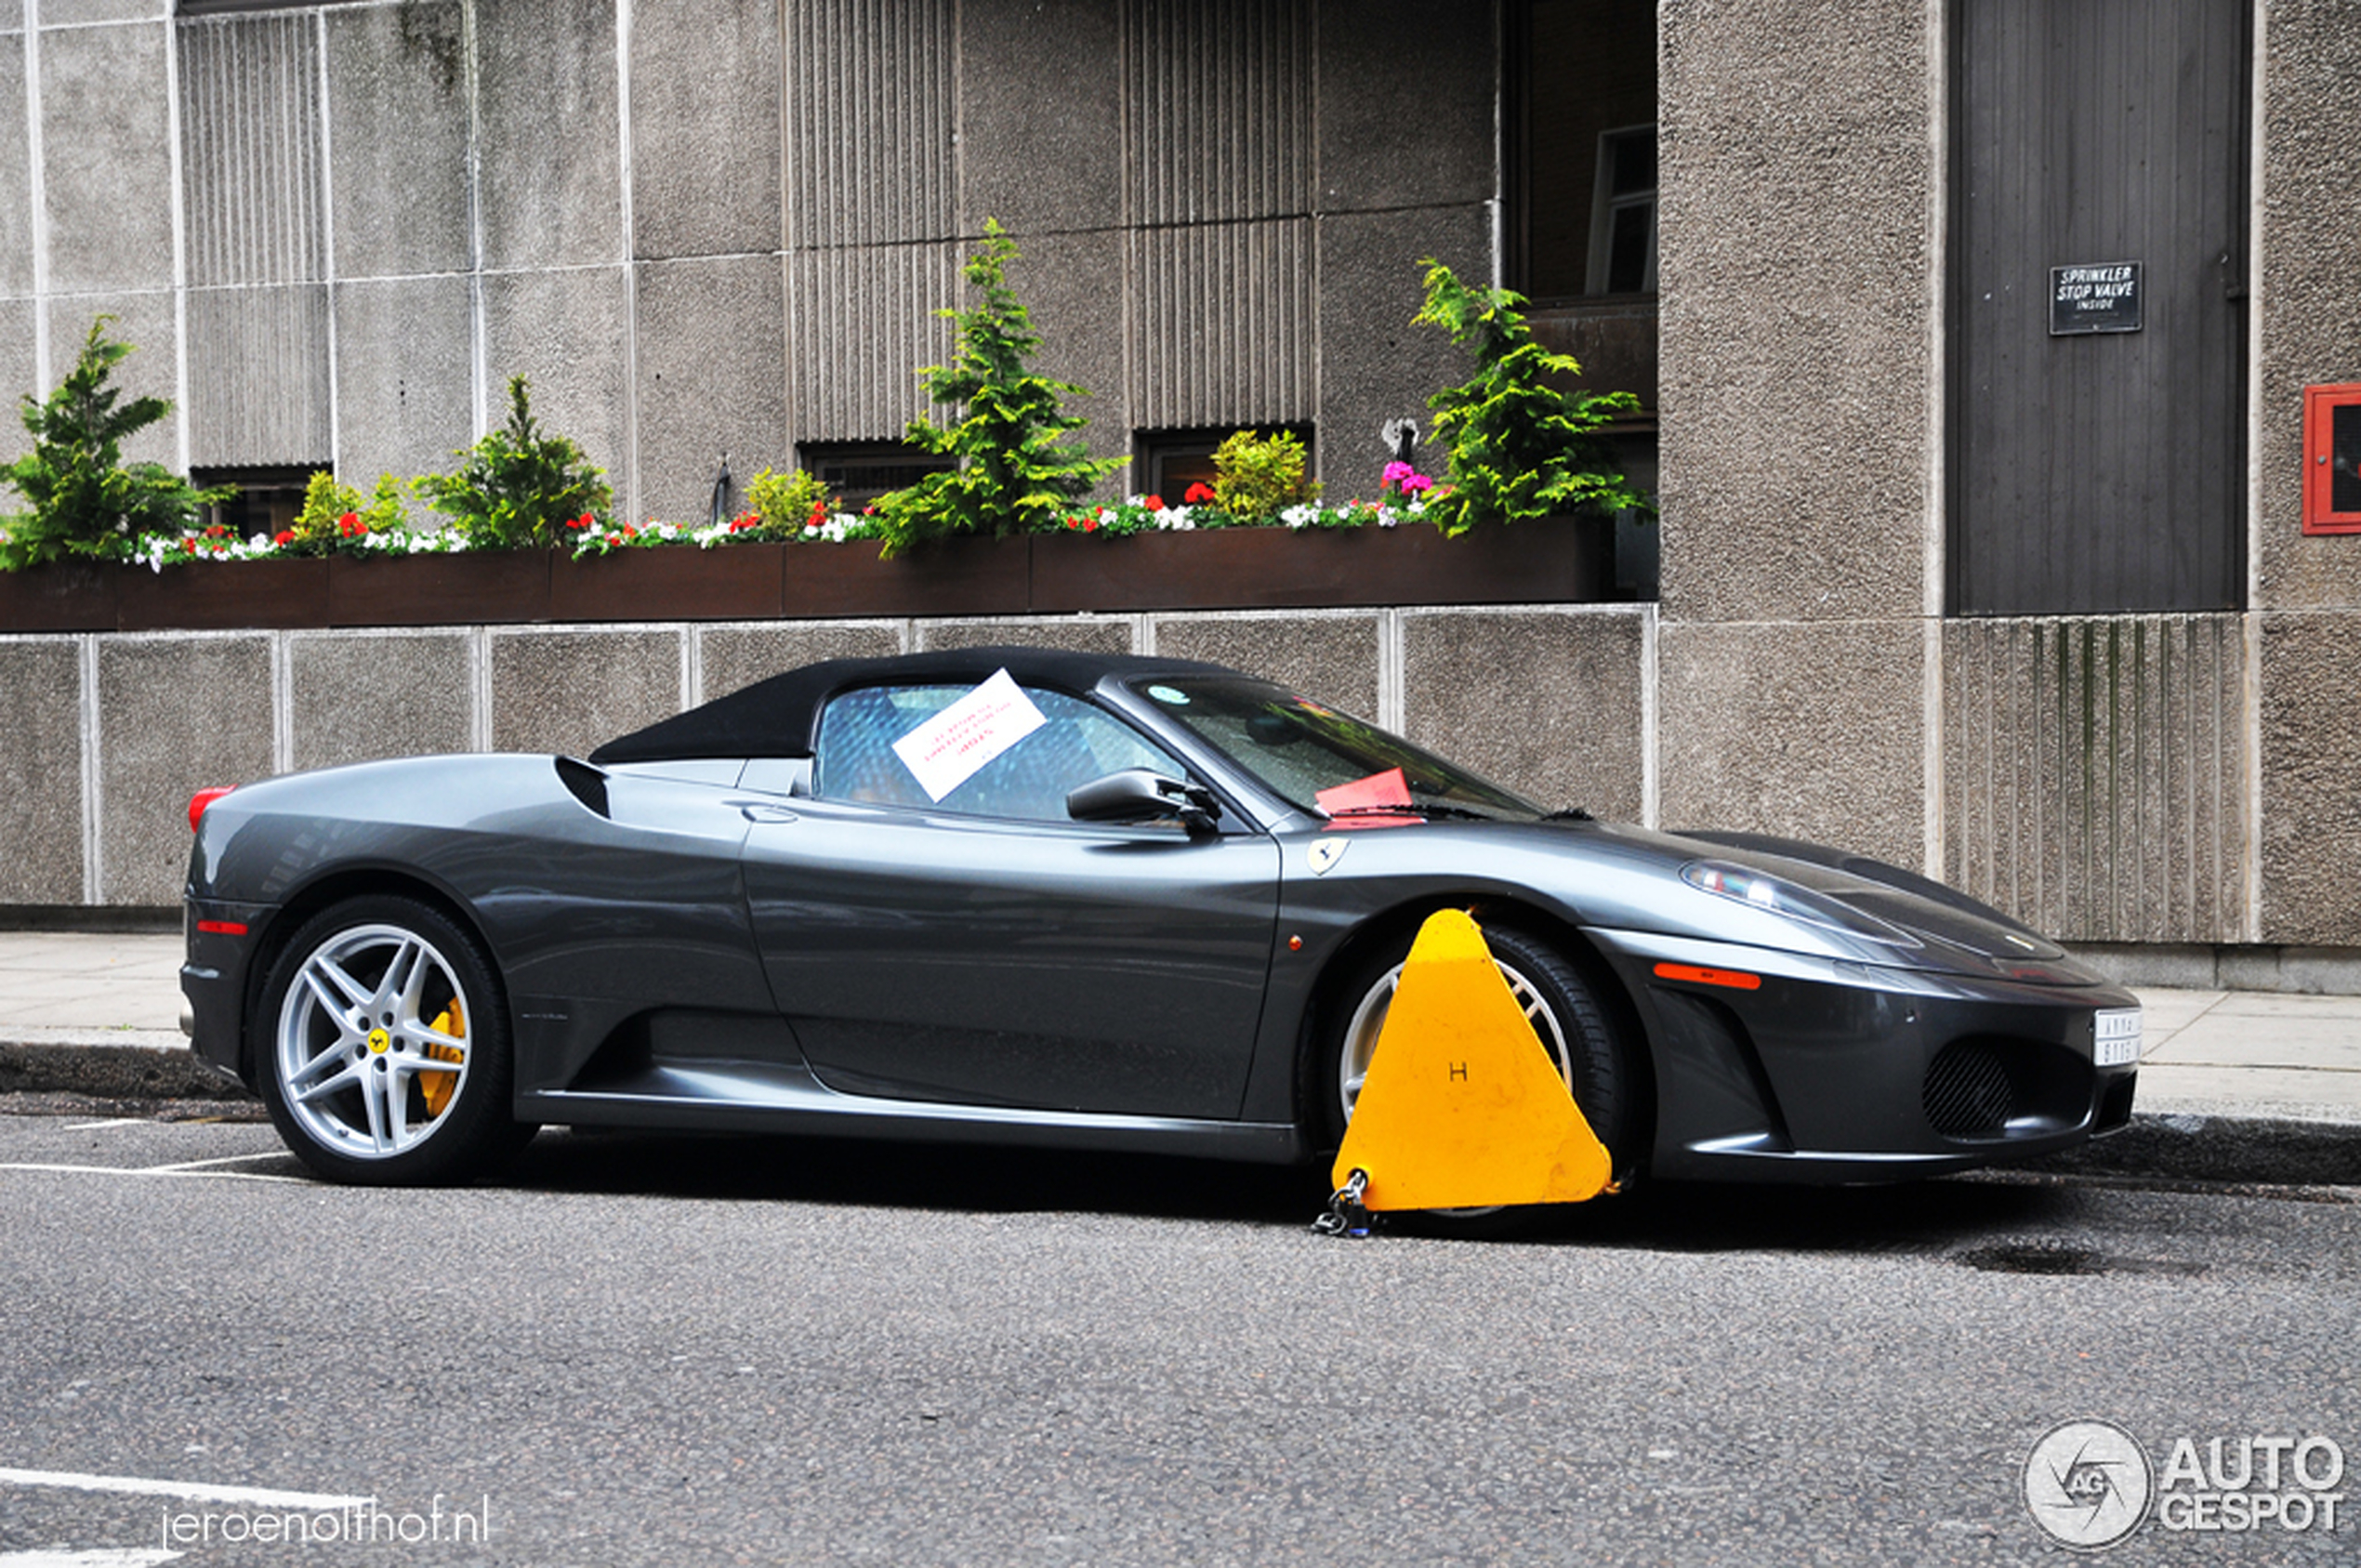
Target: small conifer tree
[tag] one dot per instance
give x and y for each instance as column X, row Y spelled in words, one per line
column 1519, row 446
column 83, row 499
column 518, row 486
column 1018, row 466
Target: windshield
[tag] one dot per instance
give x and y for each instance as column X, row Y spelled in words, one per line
column 1322, row 761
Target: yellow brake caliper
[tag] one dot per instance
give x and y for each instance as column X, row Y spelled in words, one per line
column 437, row 1087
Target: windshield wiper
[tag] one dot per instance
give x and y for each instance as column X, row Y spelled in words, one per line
column 1429, row 808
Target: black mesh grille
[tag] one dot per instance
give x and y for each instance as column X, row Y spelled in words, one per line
column 1966, row 1091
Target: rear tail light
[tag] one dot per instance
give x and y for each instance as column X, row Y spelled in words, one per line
column 204, row 798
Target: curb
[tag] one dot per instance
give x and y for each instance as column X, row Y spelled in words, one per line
column 128, row 1064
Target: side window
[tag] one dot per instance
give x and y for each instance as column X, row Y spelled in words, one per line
column 854, row 759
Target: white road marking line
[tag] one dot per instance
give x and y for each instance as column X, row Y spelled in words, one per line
column 194, row 1491
column 102, row 1556
column 100, row 1127
column 222, row 1160
column 167, row 1171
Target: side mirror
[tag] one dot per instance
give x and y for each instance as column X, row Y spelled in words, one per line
column 1139, row 795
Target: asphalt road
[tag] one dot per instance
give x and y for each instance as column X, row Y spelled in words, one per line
column 662, row 1351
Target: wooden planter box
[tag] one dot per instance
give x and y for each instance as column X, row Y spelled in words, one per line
column 1565, row 560
column 69, row 596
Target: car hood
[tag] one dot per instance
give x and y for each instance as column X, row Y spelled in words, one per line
column 1930, row 926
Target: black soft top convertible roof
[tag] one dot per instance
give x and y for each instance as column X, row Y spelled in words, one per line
column 780, row 716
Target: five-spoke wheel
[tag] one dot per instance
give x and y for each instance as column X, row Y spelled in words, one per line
column 385, row 1046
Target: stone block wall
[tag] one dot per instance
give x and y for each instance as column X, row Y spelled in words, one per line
column 108, row 735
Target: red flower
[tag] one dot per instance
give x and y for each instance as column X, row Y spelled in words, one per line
column 1090, row 525
column 1154, row 503
column 283, row 537
column 351, row 525
column 819, row 514
column 190, row 546
column 1199, row 494
column 629, row 532
column 216, row 532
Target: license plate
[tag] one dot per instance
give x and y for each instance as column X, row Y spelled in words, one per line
column 2117, row 1043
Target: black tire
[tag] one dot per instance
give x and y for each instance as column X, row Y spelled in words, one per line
column 1568, row 1017
column 354, row 1082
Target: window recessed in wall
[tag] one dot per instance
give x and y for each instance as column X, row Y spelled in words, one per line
column 861, row 472
column 1166, row 463
column 1623, row 213
column 267, row 501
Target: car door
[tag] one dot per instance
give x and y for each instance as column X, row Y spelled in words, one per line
column 982, row 948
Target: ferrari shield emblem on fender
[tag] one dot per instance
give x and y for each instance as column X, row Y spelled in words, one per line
column 1324, row 853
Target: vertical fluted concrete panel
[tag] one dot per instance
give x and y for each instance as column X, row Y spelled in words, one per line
column 2311, row 780
column 1807, row 730
column 552, row 150
column 712, row 379
column 405, row 402
column 355, row 697
column 2093, row 773
column 570, row 692
column 870, row 121
column 1800, row 245
column 251, row 150
column 176, row 714
column 2306, row 327
column 1330, row 657
column 1041, row 143
column 397, row 138
column 705, row 129
column 861, row 321
column 259, row 375
column 16, row 171
column 1221, row 110
column 1225, row 319
column 106, row 137
column 40, row 771
column 145, row 320
column 1549, row 703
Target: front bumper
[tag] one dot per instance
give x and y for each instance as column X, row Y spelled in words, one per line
column 1831, row 1071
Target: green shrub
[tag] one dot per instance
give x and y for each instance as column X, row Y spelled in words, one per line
column 334, row 518
column 83, row 499
column 1256, row 477
column 1017, row 468
column 1519, row 447
column 785, row 504
column 518, row 487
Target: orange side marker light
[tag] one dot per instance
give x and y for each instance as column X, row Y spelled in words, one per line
column 1736, row 980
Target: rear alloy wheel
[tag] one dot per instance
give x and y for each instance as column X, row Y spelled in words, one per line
column 386, row 1056
column 1556, row 1000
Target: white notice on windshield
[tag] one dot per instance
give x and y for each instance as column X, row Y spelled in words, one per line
column 950, row 748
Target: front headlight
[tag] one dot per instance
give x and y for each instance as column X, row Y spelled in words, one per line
column 1762, row 890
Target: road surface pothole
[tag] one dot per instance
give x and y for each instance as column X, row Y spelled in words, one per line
column 2047, row 1258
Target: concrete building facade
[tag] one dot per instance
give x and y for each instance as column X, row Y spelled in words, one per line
column 718, row 225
